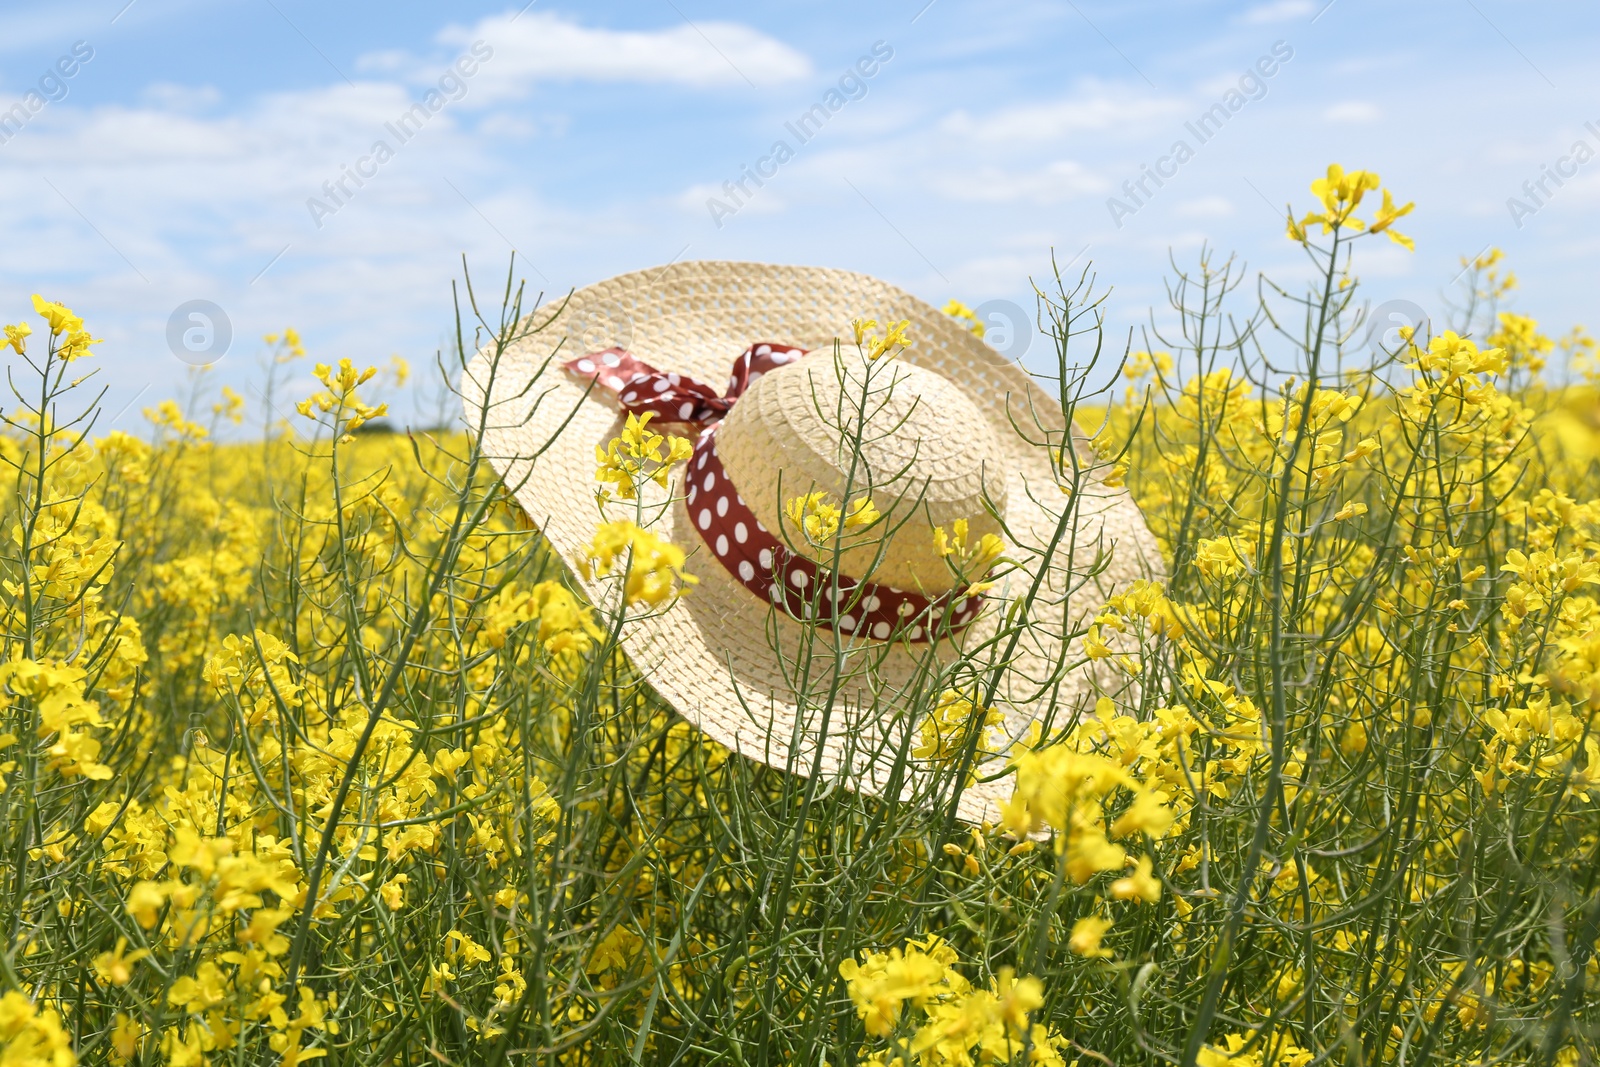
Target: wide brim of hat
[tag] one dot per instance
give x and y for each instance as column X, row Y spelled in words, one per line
column 723, row 657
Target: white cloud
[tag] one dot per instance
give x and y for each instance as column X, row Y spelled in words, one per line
column 1279, row 11
column 1352, row 111
column 762, row 202
column 511, row 127
column 294, row 128
column 385, row 62
column 200, row 204
column 541, row 46
column 1387, row 260
column 1096, row 109
column 1054, row 182
column 1205, row 207
column 168, row 96
column 1585, row 188
column 977, row 279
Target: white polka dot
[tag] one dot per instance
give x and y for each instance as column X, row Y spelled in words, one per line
column 761, row 526
column 722, row 544
column 881, row 630
column 746, row 571
column 661, row 385
column 763, row 350
column 630, row 395
column 906, row 608
column 702, row 463
column 733, row 382
column 693, row 492
column 586, row 365
column 705, row 518
column 686, row 410
column 674, row 379
column 637, row 377
column 740, row 534
column 872, row 603
column 916, row 633
column 755, row 376
column 797, row 578
column 961, row 605
column 722, row 506
column 847, row 622
column 766, row 559
column 610, row 359
column 741, row 498
column 711, row 480
column 781, row 357
column 776, row 593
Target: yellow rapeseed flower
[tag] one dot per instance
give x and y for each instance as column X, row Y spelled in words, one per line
column 965, row 559
column 944, row 733
column 1148, row 814
column 116, row 966
column 819, row 516
column 31, row 1036
column 969, row 318
column 59, row 316
column 1385, row 218
column 1341, row 192
column 637, row 455
column 16, row 335
column 653, row 565
column 1140, row 885
column 883, row 983
column 894, row 340
column 1086, row 935
column 63, row 322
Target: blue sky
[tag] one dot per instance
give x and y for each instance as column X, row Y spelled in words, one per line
column 177, row 162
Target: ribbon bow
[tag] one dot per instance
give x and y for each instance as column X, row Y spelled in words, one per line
column 677, row 397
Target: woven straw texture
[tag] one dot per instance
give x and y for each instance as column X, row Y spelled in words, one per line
column 720, row 655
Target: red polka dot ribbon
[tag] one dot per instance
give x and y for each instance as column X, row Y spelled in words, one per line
column 744, row 546
column 677, row 397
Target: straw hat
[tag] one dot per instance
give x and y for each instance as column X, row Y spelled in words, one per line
column 954, row 432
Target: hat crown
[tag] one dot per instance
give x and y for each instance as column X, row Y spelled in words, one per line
column 902, row 435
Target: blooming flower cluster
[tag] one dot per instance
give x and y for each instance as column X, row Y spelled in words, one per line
column 967, row 559
column 651, row 566
column 1341, row 192
column 638, row 453
column 966, row 316
column 819, row 517
column 917, row 998
column 338, row 397
column 894, row 340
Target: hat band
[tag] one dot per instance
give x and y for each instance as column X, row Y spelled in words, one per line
column 809, row 592
column 678, row 397
column 742, row 544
